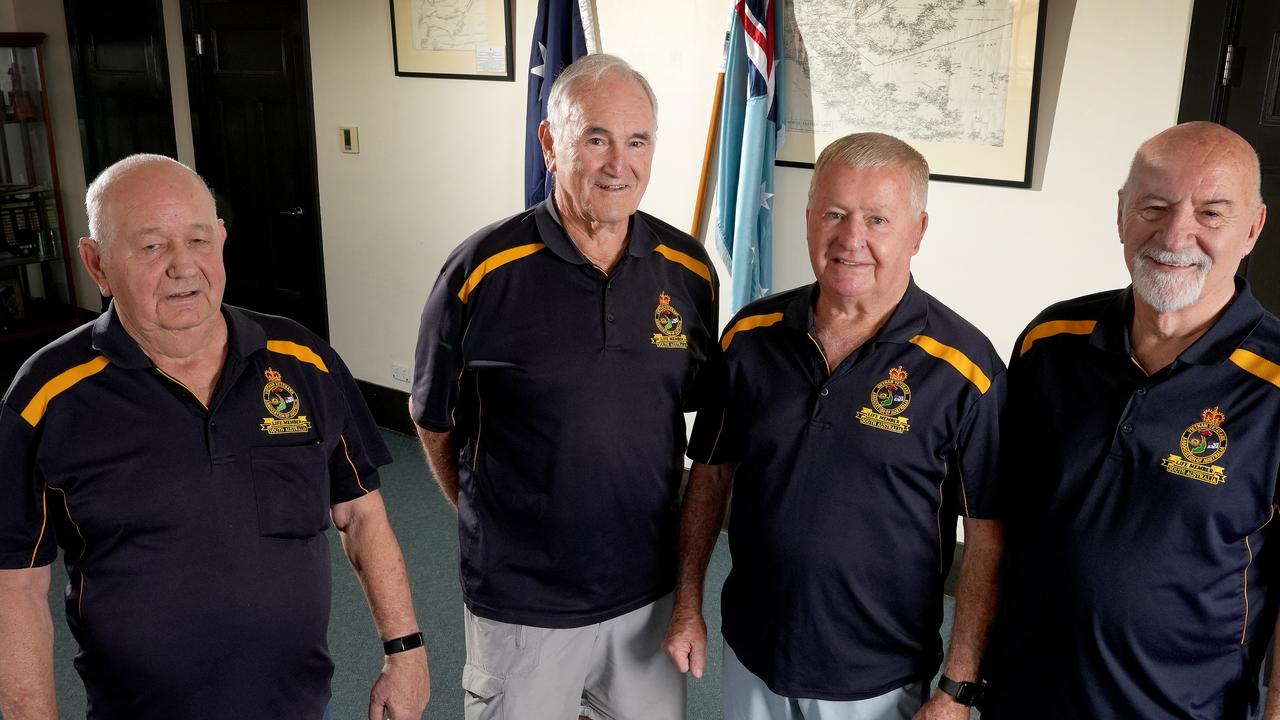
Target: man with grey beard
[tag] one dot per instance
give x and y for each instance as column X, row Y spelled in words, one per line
column 1144, row 430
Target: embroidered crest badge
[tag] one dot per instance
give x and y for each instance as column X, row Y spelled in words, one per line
column 889, row 398
column 669, row 324
column 284, row 406
column 1201, row 445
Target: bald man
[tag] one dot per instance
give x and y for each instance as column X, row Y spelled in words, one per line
column 187, row 456
column 1144, row 432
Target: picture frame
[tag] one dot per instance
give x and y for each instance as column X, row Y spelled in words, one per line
column 12, row 305
column 960, row 85
column 459, row 39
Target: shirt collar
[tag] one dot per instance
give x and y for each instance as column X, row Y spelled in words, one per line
column 1242, row 315
column 244, row 337
column 907, row 320
column 641, row 239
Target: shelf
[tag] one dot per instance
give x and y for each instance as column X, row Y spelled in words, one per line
column 7, row 260
column 43, row 319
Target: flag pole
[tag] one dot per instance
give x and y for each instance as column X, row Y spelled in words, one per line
column 712, row 132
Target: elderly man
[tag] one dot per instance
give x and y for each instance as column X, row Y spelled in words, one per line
column 856, row 417
column 557, row 353
column 1145, row 434
column 187, row 456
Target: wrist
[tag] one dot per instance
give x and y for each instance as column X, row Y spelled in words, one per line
column 964, row 692
column 403, row 643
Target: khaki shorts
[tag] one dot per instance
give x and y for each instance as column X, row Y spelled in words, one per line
column 614, row 670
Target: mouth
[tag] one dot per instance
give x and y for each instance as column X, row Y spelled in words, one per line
column 183, row 295
column 1173, row 262
column 612, row 187
column 848, row 263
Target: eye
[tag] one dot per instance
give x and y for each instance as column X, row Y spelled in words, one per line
column 834, row 215
column 1152, row 212
column 595, row 141
column 878, row 220
column 638, row 143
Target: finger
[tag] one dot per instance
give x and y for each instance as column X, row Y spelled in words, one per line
column 698, row 659
column 679, row 654
column 376, row 709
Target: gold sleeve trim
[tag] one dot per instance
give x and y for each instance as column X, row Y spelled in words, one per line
column 1056, row 327
column 34, row 411
column 956, row 359
column 302, row 352
column 493, row 262
column 1255, row 364
column 750, row 322
column 697, row 267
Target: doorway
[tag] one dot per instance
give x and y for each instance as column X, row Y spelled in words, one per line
column 249, row 74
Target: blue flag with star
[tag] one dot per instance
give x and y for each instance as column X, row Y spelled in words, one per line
column 751, row 127
column 558, row 40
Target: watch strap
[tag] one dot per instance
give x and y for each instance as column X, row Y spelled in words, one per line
column 400, row 644
column 965, row 693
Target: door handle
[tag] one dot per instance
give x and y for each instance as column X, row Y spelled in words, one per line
column 294, row 212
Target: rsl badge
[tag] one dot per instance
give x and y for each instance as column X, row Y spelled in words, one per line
column 1201, row 445
column 283, row 405
column 669, row 324
column 889, row 398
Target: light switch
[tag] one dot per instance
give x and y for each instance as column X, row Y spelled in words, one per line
column 349, row 139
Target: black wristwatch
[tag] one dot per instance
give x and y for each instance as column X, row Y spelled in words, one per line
column 965, row 693
column 400, row 644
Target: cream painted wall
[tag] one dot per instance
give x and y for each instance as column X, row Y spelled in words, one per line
column 441, row 158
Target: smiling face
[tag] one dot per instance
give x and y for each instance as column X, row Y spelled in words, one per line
column 863, row 231
column 1188, row 214
column 162, row 258
column 602, row 158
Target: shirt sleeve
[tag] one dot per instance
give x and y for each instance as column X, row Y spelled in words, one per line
column 27, row 536
column 717, row 437
column 438, row 358
column 360, row 451
column 979, row 454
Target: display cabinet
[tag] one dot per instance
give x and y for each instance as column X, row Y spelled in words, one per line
column 37, row 285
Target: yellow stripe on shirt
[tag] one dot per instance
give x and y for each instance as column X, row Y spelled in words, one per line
column 1056, row 327
column 1256, row 365
column 751, row 322
column 493, row 262
column 34, row 411
column 302, row 352
column 955, row 359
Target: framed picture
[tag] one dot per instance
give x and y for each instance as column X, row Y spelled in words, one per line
column 11, row 300
column 957, row 80
column 464, row 39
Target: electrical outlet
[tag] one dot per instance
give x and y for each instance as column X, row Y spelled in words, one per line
column 401, row 373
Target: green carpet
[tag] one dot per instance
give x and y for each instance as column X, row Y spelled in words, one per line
column 427, row 529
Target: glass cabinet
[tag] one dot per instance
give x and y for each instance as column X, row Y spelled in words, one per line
column 37, row 285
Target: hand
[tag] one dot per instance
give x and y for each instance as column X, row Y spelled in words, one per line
column 403, row 687
column 686, row 642
column 942, row 707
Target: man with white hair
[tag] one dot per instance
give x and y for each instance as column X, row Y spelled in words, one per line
column 187, row 456
column 1144, row 447
column 557, row 354
column 856, row 417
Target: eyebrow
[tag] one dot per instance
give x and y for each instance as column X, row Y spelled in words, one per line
column 1212, row 201
column 157, row 230
column 597, row 130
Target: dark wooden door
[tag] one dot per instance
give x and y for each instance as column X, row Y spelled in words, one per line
column 250, row 79
column 121, row 75
column 1233, row 77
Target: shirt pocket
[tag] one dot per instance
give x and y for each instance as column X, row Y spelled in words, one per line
column 291, row 486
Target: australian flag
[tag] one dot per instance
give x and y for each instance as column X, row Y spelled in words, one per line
column 558, row 40
column 751, row 127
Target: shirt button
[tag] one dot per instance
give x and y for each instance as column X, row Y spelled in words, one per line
column 1142, row 391
column 610, row 317
column 1127, row 427
column 824, row 392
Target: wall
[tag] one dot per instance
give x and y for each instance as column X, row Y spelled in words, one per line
column 441, row 158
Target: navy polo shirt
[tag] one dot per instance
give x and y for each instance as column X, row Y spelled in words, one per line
column 193, row 535
column 565, row 389
column 848, row 484
column 1142, row 563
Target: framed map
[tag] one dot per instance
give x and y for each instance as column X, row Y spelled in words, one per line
column 465, row 39
column 957, row 79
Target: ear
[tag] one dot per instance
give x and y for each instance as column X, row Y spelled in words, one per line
column 1255, row 229
column 1120, row 214
column 924, row 225
column 548, row 145
column 222, row 231
column 91, row 256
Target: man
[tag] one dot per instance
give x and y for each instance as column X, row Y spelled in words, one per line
column 857, row 416
column 1143, row 433
column 187, row 456
column 557, row 353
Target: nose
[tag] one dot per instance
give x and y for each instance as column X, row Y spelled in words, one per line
column 1182, row 225
column 613, row 162
column 181, row 261
column 850, row 235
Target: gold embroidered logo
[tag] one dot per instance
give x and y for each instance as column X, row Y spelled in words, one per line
column 1202, row 444
column 282, row 402
column 669, row 324
column 889, row 398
